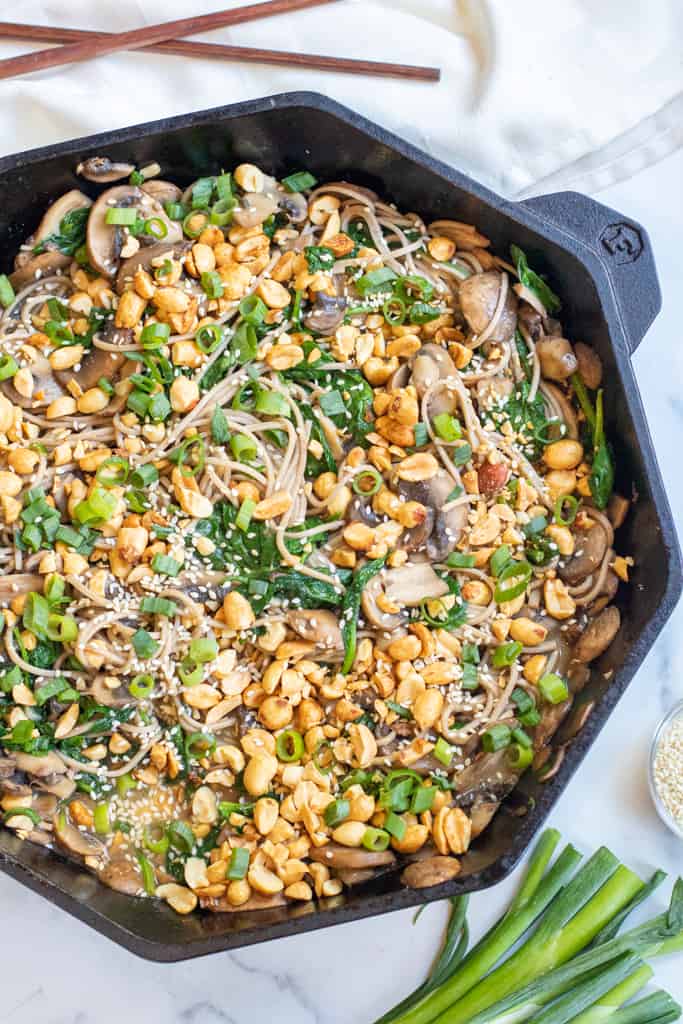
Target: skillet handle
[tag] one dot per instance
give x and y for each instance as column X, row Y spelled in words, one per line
column 623, row 249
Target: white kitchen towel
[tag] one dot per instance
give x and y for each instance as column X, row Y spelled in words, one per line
column 535, row 94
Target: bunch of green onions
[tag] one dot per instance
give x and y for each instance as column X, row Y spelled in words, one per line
column 572, row 965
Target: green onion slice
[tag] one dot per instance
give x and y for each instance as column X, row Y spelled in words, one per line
column 289, row 745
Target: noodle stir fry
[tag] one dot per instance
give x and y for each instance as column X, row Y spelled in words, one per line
column 307, row 535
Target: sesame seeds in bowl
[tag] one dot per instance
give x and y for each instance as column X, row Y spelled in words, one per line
column 666, row 769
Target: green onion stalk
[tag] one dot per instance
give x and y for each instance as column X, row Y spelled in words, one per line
column 537, row 891
column 544, row 977
column 597, row 892
column 606, row 1006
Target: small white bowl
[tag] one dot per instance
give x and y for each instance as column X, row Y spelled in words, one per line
column 663, row 812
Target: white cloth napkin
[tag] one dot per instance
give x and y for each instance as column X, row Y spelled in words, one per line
column 535, row 95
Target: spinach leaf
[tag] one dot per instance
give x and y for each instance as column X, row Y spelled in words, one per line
column 71, row 234
column 354, row 419
column 319, row 257
column 326, row 463
column 358, row 233
column 601, row 480
column 295, row 587
column 533, row 282
column 527, row 418
column 44, row 654
column 351, row 609
column 217, row 371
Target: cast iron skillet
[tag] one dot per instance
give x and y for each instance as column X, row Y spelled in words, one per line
column 602, row 265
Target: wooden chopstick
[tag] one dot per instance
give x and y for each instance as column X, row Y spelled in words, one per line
column 140, row 37
column 220, row 51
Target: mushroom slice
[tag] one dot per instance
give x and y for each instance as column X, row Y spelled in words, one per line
column 144, row 258
column 478, row 300
column 83, row 844
column 43, row 265
column 104, row 241
column 405, row 587
column 598, row 635
column 99, row 362
column 489, row 775
column 46, row 386
column 447, row 527
column 327, row 313
column 431, row 364
column 319, row 626
column 8, row 767
column 103, row 694
column 564, row 406
column 55, row 214
column 294, row 205
column 253, row 209
column 337, row 856
column 122, row 875
column 591, row 547
column 422, row 874
column 411, row 584
column 162, row 191
column 103, row 171
column 40, row 766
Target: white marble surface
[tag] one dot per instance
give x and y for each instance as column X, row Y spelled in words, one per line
column 56, row 971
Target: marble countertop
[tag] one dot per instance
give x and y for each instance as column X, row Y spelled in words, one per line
column 57, row 971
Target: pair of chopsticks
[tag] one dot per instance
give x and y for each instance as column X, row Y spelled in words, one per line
column 167, row 38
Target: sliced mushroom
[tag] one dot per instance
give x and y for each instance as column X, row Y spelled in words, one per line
column 411, row 584
column 122, row 875
column 617, row 510
column 327, row 313
column 422, row 874
column 8, row 766
column 103, row 694
column 318, row 626
column 83, row 844
column 63, row 788
column 447, row 527
column 478, row 296
column 55, row 214
column 598, row 635
column 104, row 241
column 145, row 257
column 10, row 787
column 557, row 358
column 46, row 387
column 589, row 365
column 294, row 205
column 551, row 717
column 567, row 410
column 489, row 775
column 42, row 766
column 162, row 191
column 337, row 856
column 99, row 362
column 591, row 547
column 431, row 364
column 531, row 319
column 407, row 586
column 103, row 171
column 253, row 209
column 43, row 265
column 481, row 813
